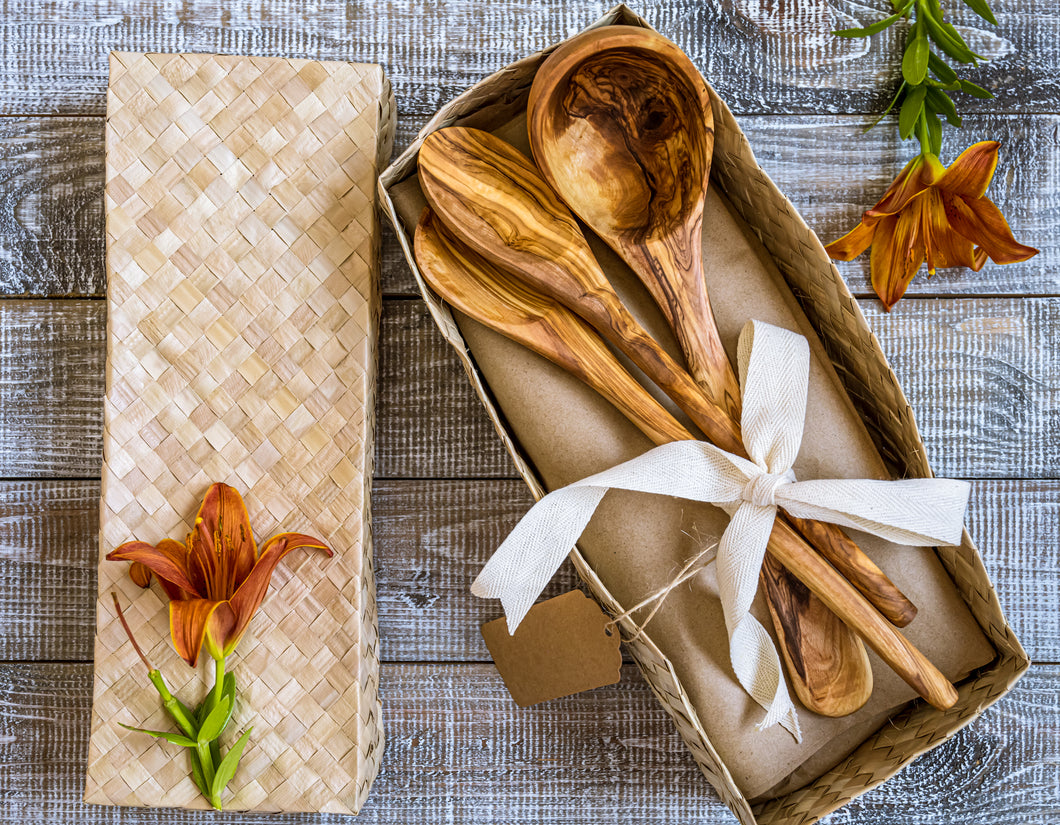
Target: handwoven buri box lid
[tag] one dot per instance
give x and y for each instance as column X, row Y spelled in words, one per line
column 243, row 302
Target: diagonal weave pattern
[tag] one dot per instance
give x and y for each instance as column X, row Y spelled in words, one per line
column 875, row 393
column 242, row 249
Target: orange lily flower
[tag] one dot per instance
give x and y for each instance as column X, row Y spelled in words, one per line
column 217, row 581
column 935, row 214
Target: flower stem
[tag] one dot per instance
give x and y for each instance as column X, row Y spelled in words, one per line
column 212, row 701
column 169, row 701
column 218, row 683
column 202, row 749
column 922, row 134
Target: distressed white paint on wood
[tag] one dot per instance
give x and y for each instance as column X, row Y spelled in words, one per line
column 431, row 538
column 51, row 178
column 460, row 753
column 762, row 56
column 984, row 380
column 51, row 387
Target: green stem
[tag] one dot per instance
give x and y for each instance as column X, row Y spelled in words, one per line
column 206, row 762
column 169, row 701
column 922, row 134
column 218, row 683
column 213, row 701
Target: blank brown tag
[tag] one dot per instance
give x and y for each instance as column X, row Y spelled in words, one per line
column 562, row 646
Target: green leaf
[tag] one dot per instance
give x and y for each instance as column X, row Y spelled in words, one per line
column 175, row 738
column 878, row 26
column 970, row 88
column 890, row 106
column 952, row 44
column 908, row 115
column 197, row 775
column 942, row 103
column 942, row 70
column 227, row 769
column 981, row 8
column 229, row 691
column 915, row 59
column 215, row 721
column 934, row 132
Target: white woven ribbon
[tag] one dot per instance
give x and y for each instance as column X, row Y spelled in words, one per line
column 774, row 371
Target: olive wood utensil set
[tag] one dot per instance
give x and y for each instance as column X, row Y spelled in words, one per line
column 621, row 127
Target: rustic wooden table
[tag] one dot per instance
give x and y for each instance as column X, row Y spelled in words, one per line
column 978, row 354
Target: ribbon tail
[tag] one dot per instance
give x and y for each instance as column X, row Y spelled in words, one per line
column 521, row 567
column 754, row 658
column 921, row 512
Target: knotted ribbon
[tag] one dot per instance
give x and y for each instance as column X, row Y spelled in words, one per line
column 774, row 373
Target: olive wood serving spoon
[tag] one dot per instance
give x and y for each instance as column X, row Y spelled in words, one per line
column 826, row 662
column 622, row 128
column 492, row 198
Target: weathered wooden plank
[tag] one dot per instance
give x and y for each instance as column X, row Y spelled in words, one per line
column 982, row 377
column 460, row 753
column 51, row 178
column 981, row 374
column 429, row 422
column 51, row 387
column 431, row 538
column 761, row 56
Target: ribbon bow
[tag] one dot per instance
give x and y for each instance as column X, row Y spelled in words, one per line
column 774, row 373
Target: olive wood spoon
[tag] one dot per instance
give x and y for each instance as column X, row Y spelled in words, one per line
column 491, row 196
column 505, row 304
column 621, row 127
column 449, row 270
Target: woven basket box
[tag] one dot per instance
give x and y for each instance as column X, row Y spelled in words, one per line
column 839, row 334
column 243, row 305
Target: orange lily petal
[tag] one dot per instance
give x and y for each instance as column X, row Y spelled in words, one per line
column 897, row 252
column 909, row 183
column 203, row 553
column 942, row 246
column 164, row 561
column 140, row 574
column 234, row 534
column 852, row 244
column 187, row 625
column 981, row 222
column 220, row 629
column 248, row 597
column 970, row 174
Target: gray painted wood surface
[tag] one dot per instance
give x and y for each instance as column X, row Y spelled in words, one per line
column 978, row 354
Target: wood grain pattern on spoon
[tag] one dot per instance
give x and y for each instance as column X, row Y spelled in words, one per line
column 621, row 126
column 491, row 197
column 457, row 276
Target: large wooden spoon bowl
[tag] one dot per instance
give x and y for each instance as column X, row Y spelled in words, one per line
column 621, row 126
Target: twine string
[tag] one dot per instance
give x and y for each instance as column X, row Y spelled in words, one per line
column 697, row 563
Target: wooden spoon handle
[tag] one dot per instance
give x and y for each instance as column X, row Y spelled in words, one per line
column 849, row 605
column 861, row 571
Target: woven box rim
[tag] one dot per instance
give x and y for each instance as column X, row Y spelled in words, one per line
column 865, row 374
